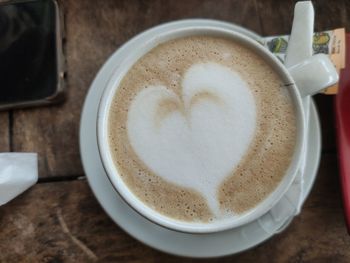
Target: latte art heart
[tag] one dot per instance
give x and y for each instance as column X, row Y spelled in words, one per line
column 201, row 129
column 197, row 139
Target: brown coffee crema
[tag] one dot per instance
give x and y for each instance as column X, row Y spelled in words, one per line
column 262, row 167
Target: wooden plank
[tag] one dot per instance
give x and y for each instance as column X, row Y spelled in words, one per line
column 62, row 222
column 325, row 107
column 330, row 14
column 94, row 29
column 275, row 16
column 4, row 132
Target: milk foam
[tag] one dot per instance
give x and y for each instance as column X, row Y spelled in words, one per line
column 172, row 103
column 197, row 139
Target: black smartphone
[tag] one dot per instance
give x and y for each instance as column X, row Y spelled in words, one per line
column 31, row 58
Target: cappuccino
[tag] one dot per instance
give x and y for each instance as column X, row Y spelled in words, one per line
column 201, row 129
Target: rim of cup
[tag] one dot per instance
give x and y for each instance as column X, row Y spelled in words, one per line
column 112, row 86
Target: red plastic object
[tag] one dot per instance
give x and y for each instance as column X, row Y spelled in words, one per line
column 342, row 110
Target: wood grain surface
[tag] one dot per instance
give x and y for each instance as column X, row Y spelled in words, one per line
column 59, row 220
column 4, row 132
column 62, row 222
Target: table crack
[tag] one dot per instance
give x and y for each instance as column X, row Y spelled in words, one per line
column 75, row 240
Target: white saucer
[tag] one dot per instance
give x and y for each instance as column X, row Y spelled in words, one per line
column 203, row 245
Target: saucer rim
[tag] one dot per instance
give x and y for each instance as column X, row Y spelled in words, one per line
column 88, row 112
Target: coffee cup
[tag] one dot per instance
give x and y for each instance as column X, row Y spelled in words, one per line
column 304, row 79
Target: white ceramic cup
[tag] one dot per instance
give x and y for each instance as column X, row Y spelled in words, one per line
column 312, row 75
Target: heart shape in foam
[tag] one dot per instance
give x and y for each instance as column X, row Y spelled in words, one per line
column 198, row 139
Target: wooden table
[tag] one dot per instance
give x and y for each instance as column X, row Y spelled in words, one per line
column 59, row 219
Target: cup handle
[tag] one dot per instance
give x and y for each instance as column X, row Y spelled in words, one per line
column 314, row 74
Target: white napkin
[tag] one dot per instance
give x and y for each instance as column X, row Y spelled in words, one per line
column 299, row 48
column 18, row 172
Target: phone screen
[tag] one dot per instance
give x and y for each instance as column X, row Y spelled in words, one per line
column 28, row 66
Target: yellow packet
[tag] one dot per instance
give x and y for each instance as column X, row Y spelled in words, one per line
column 330, row 42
